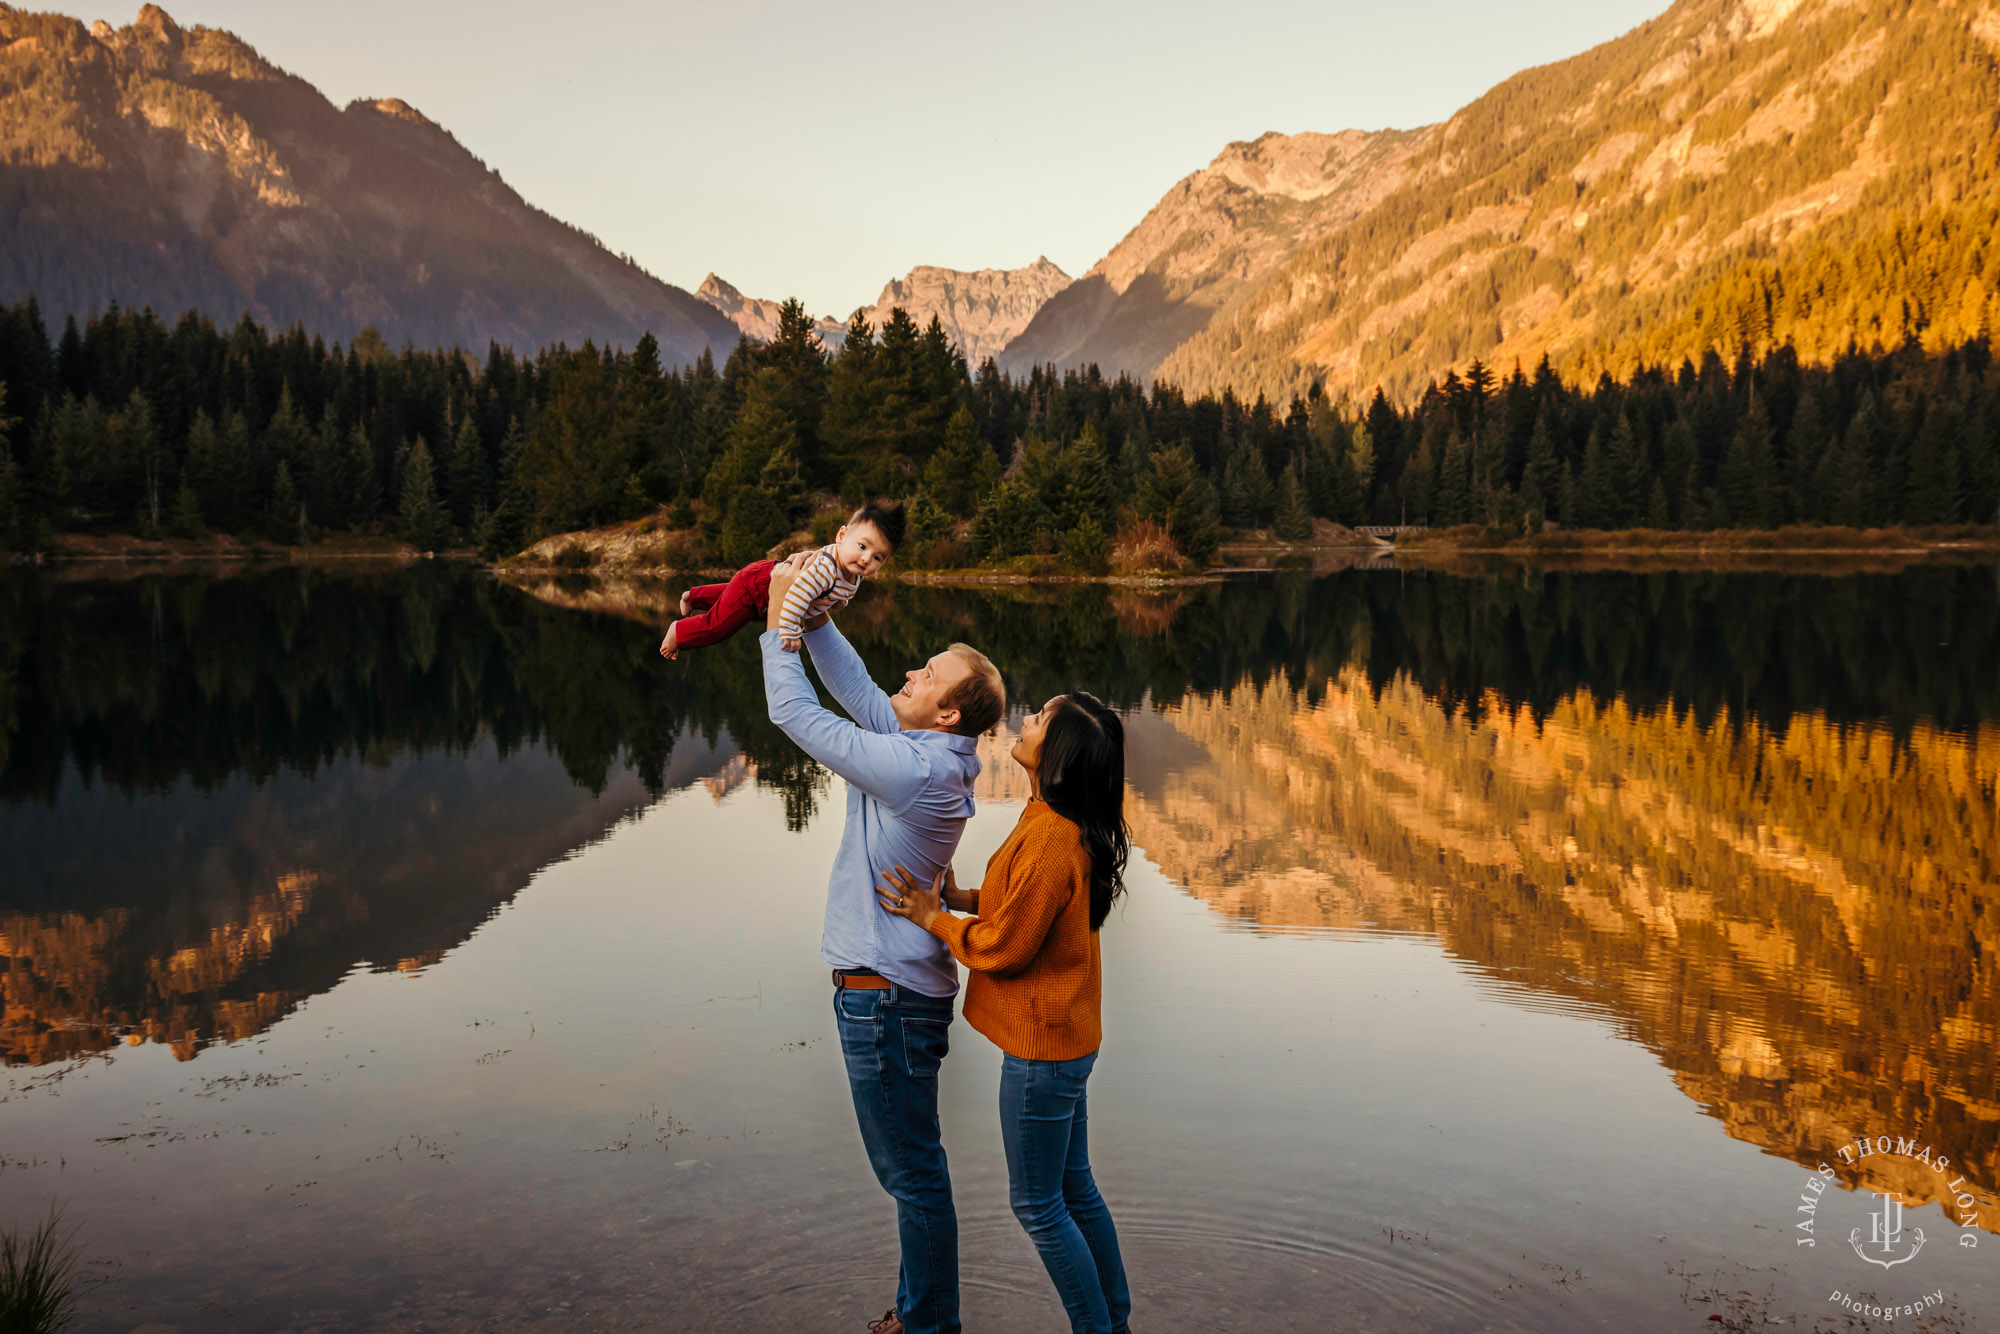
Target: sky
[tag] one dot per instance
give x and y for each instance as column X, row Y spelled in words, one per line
column 818, row 150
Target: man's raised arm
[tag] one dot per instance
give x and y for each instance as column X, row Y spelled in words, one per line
column 886, row 767
column 846, row 679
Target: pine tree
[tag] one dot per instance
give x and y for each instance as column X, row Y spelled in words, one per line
column 184, row 520
column 1541, row 475
column 1625, row 464
column 507, row 526
column 782, row 480
column 286, row 437
column 1658, row 517
column 575, row 464
column 284, row 520
column 466, row 483
column 1247, row 494
column 762, row 431
column 1085, row 491
column 1294, row 521
column 800, row 363
column 753, row 525
column 198, row 464
column 422, row 520
column 1807, row 444
column 1596, row 500
column 1175, row 495
column 1748, row 479
column 232, row 477
column 364, row 504
column 11, row 525
column 1677, row 468
column 1087, row 547
column 645, row 424
column 144, row 461
column 1012, row 521
column 1454, row 492
column 1932, row 494
column 1841, row 483
column 964, row 470
column 929, row 524
column 325, row 485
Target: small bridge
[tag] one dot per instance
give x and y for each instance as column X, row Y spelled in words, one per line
column 1395, row 530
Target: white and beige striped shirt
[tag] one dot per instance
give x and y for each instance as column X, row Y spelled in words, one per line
column 821, row 586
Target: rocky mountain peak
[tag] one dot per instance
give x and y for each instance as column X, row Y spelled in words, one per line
column 757, row 318
column 716, row 290
column 401, row 110
column 156, row 25
column 981, row 311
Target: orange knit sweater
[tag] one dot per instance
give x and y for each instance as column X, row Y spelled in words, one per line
column 1037, row 980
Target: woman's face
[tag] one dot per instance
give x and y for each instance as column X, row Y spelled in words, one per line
column 1028, row 747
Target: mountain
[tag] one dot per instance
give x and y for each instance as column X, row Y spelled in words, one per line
column 1733, row 172
column 1216, row 232
column 177, row 168
column 757, row 318
column 981, row 311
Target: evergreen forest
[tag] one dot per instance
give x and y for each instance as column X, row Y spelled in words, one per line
column 127, row 424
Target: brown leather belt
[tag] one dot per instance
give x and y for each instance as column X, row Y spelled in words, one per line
column 860, row 981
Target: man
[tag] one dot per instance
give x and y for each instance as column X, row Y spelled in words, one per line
column 909, row 760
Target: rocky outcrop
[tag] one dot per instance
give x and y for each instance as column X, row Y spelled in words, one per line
column 981, row 311
column 1216, row 232
column 177, row 168
column 757, row 318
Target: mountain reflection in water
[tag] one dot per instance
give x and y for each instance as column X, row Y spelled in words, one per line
column 1751, row 819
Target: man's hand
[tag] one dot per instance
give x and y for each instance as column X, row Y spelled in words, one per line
column 782, row 575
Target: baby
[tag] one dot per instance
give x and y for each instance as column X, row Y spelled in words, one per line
column 827, row 580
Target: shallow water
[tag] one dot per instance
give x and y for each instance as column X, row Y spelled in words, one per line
column 404, row 951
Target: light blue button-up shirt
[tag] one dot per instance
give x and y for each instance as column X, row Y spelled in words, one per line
column 909, row 795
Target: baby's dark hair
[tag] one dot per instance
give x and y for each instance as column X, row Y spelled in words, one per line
column 888, row 520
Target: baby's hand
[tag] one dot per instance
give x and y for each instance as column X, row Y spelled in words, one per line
column 790, row 645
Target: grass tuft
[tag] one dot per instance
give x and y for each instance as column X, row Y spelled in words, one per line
column 38, row 1277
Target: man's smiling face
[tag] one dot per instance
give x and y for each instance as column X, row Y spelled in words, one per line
column 919, row 704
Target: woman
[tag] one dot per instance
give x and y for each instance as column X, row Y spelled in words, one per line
column 1031, row 944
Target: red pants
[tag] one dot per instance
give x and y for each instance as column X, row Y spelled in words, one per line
column 723, row 609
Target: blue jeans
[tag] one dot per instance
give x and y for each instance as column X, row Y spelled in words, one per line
column 893, row 1041
column 1043, row 1120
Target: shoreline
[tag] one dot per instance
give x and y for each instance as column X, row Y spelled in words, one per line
column 1646, row 550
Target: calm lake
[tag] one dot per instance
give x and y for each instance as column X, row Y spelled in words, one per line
column 406, row 950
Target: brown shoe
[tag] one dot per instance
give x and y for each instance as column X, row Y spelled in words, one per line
column 890, row 1323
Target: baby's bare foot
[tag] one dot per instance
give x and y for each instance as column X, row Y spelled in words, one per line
column 687, row 606
column 668, row 648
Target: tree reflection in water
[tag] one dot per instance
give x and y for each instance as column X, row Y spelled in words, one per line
column 1750, row 816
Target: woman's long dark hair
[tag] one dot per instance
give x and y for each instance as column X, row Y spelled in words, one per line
column 1083, row 780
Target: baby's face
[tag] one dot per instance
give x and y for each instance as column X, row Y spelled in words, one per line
column 860, row 549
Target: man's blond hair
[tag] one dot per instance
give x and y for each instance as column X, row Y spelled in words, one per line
column 981, row 698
